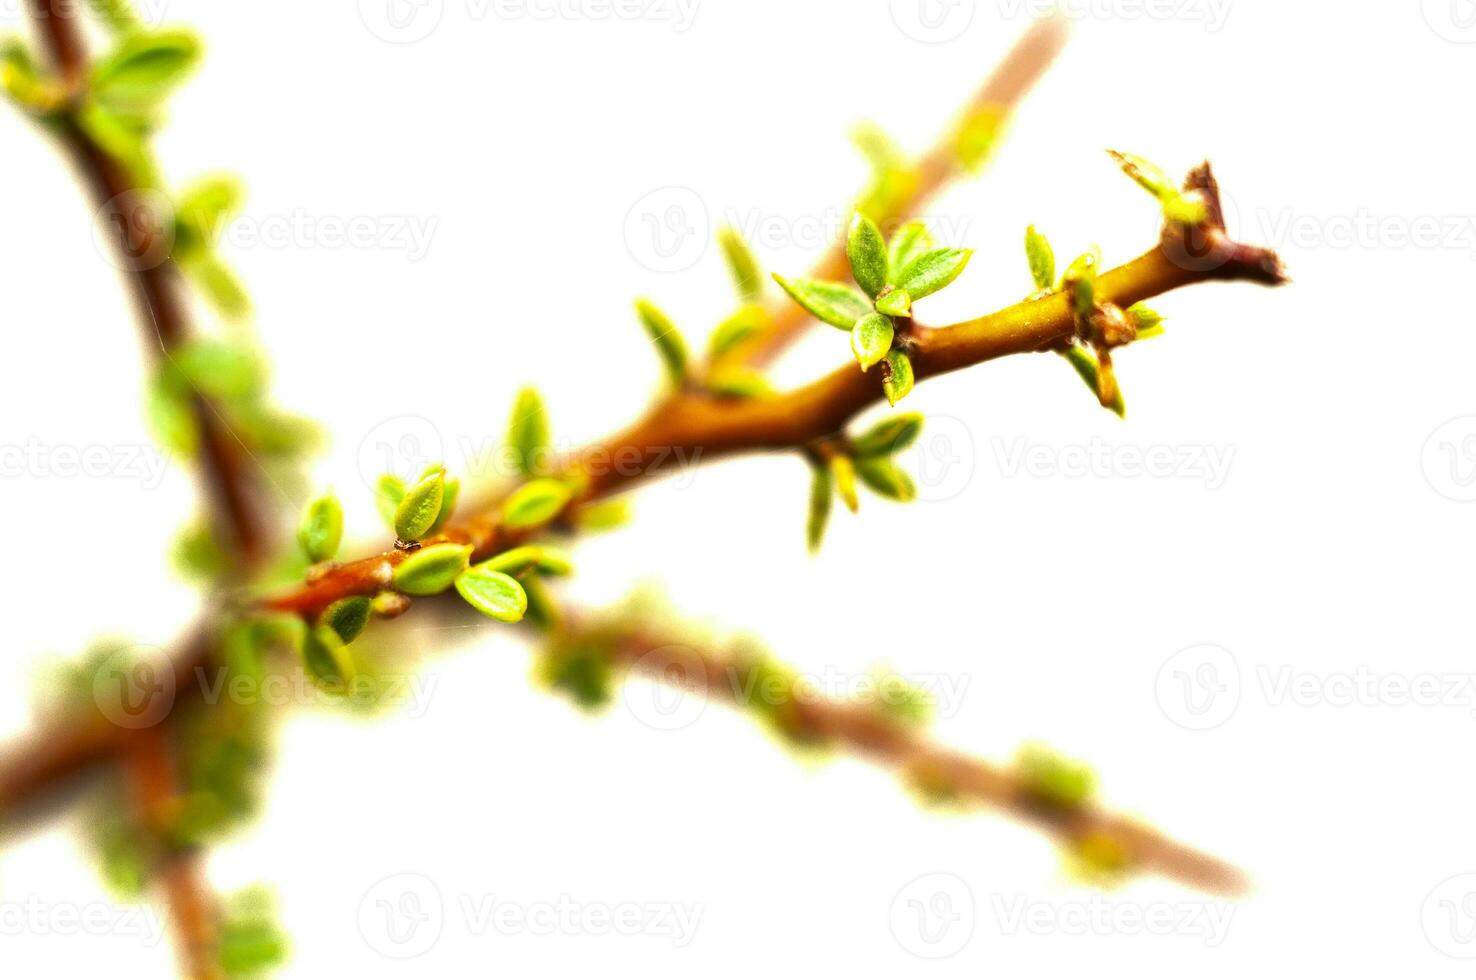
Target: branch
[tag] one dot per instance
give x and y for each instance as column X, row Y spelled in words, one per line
column 155, row 286
column 1000, row 95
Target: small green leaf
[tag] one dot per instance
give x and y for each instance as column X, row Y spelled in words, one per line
column 606, row 515
column 528, row 557
column 528, row 432
column 894, row 303
column 432, row 569
column 742, row 265
column 886, row 479
column 1149, row 177
column 843, row 472
column 871, row 339
column 668, row 340
column 448, row 505
column 218, row 369
column 421, row 505
column 219, row 284
column 1085, row 363
column 910, row 241
column 493, row 593
column 889, row 437
column 897, row 376
column 205, row 205
column 348, row 616
column 170, row 414
column 821, row 493
column 978, row 135
column 1080, row 280
column 1042, row 259
column 327, row 658
column 932, row 271
column 747, row 321
column 22, row 80
column 118, row 15
column 321, row 529
column 535, row 503
column 831, row 302
column 543, row 611
column 867, row 251
column 1057, row 780
column 738, row 381
column 1149, row 322
column 145, row 66
column 388, row 492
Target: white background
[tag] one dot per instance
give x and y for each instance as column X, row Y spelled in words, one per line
column 1337, row 542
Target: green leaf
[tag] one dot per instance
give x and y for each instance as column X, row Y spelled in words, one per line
column 432, row 569
column 22, row 80
column 1085, row 363
column 530, row 557
column 1080, row 280
column 448, row 505
column 821, row 494
column 1146, row 175
column 420, row 506
column 978, row 135
column 1042, row 259
column 871, row 339
column 843, row 472
column 348, row 616
column 668, row 341
column 1149, row 322
column 535, row 503
column 831, row 302
column 145, row 66
column 543, row 611
column 908, row 243
column 528, row 432
column 493, row 593
column 889, row 437
column 867, row 251
column 327, row 659
column 747, row 321
column 205, row 205
column 1057, row 780
column 219, row 284
column 738, row 381
column 886, row 479
column 321, row 529
column 605, row 515
column 170, row 414
column 388, row 493
column 742, row 265
column 897, row 376
column 118, row 15
column 219, row 369
column 896, row 302
column 932, row 271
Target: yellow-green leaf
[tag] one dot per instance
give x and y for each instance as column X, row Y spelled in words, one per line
column 897, row 376
column 1042, row 258
column 432, row 569
column 535, row 503
column 348, row 616
column 321, row 529
column 831, row 302
column 871, row 338
column 145, row 66
column 493, row 593
column 528, row 432
column 668, row 340
column 421, row 505
column 742, row 265
column 867, row 251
